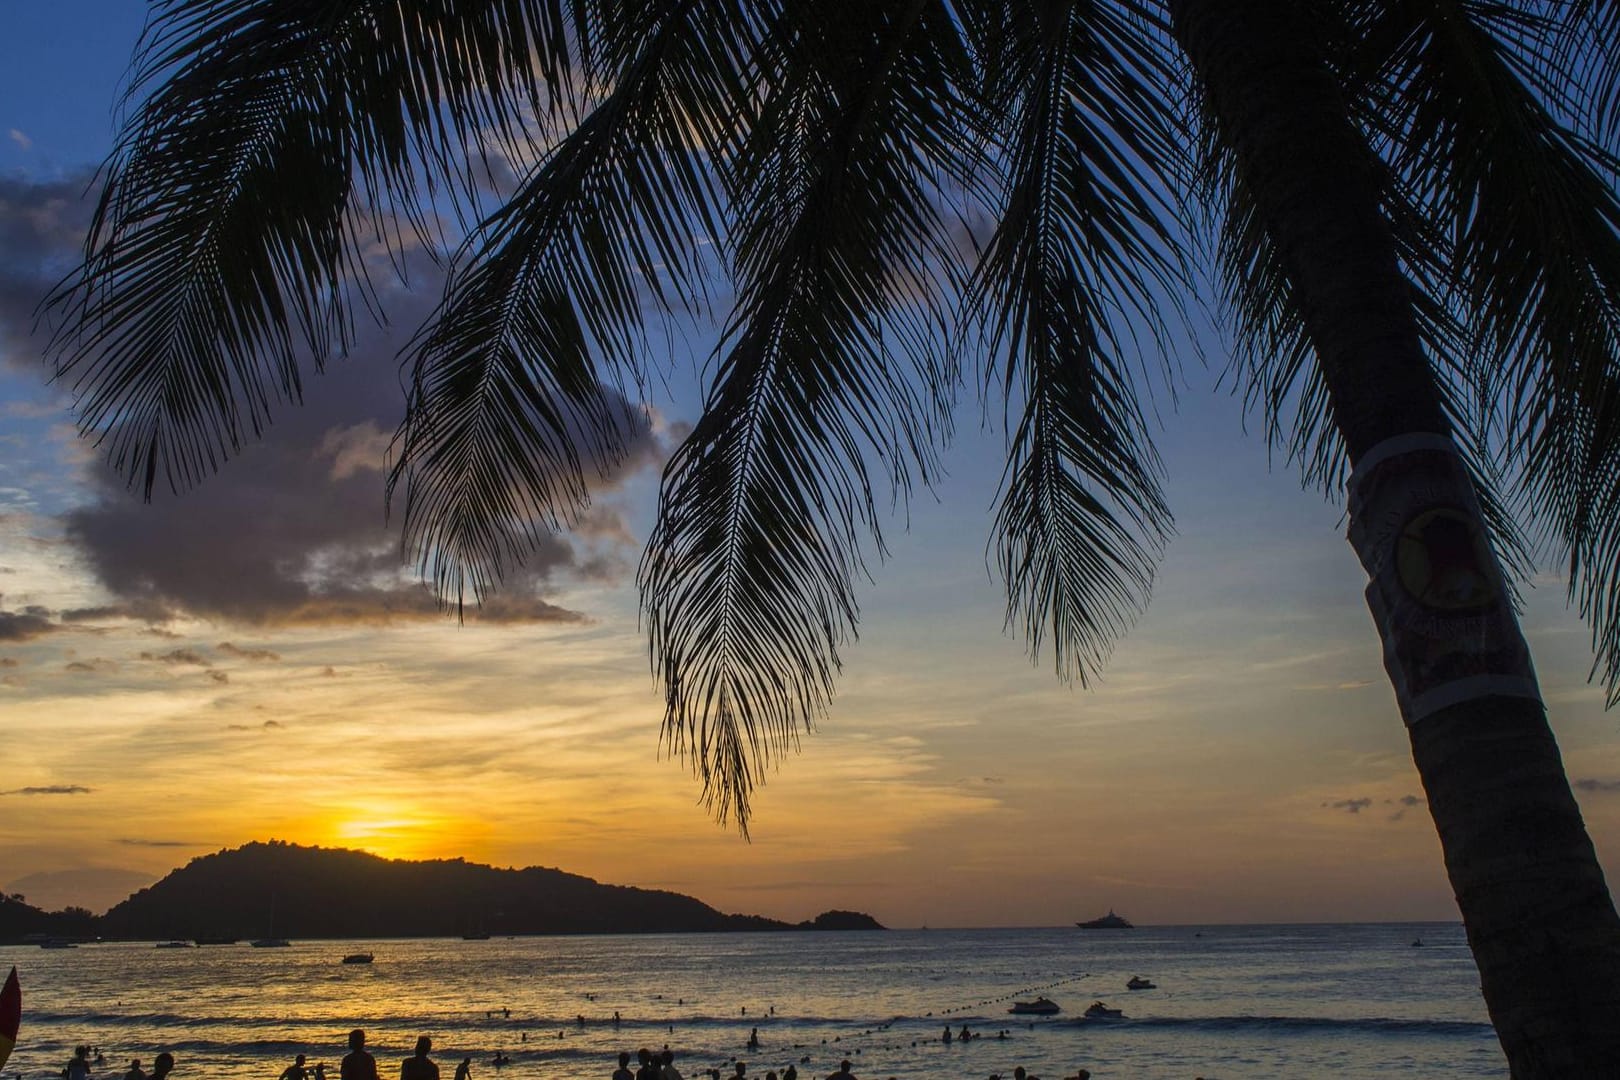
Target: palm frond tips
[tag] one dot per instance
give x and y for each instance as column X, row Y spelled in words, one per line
column 1074, row 285
column 550, row 300
column 831, row 368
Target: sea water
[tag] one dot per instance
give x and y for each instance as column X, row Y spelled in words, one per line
column 1232, row 1001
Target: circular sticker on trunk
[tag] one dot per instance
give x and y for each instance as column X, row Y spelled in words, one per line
column 1442, row 562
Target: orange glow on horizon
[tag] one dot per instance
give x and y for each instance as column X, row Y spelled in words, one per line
column 395, row 830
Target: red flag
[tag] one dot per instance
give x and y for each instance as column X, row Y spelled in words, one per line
column 10, row 1015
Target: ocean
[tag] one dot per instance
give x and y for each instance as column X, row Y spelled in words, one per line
column 1343, row 1001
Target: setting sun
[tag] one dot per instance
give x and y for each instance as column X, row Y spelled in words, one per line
column 396, row 832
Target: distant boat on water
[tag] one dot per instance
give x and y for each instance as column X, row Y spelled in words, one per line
column 58, row 943
column 358, row 958
column 1137, row 982
column 1039, row 1007
column 1109, row 921
column 270, row 941
column 176, row 944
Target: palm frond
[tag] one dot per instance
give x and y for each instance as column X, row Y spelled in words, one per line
column 223, row 248
column 550, row 298
column 830, row 365
column 1532, row 261
column 1588, row 48
column 1074, row 285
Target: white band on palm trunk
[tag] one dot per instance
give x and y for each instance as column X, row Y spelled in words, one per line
column 1436, row 590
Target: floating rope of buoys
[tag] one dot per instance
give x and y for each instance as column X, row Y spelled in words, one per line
column 1024, row 992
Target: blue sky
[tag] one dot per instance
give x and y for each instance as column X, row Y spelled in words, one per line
column 1240, row 760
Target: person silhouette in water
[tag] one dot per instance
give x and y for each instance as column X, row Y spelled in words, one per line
column 357, row 1063
column 78, row 1068
column 418, row 1067
column 464, row 1070
column 162, row 1066
column 295, row 1071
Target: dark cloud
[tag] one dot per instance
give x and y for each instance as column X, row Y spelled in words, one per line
column 42, row 226
column 179, row 656
column 1598, row 787
column 51, row 789
column 139, row 841
column 144, row 612
column 26, row 625
column 219, row 676
column 242, row 653
column 292, row 532
column 1350, row 806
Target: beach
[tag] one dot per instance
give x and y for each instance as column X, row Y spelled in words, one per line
column 1347, row 1001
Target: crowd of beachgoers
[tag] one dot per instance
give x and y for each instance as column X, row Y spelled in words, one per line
column 360, row 1064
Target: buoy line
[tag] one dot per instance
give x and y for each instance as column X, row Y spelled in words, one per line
column 1011, row 996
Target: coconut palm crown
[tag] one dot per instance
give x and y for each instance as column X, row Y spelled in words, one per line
column 1408, row 210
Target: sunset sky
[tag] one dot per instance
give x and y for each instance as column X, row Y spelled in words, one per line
column 249, row 660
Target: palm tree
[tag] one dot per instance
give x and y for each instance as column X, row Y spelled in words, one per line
column 1409, row 207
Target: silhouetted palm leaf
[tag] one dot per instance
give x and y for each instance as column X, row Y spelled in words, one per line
column 1532, row 263
column 224, row 246
column 552, row 300
column 832, row 358
column 1073, row 285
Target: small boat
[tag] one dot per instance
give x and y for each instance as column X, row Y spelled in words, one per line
column 1098, row 1011
column 1417, row 943
column 270, row 941
column 1109, row 921
column 1039, row 1007
column 177, row 944
column 58, row 943
column 358, row 958
column 1138, row 983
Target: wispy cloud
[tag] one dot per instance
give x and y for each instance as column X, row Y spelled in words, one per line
column 179, row 656
column 51, row 789
column 1597, row 787
column 243, row 653
column 20, row 138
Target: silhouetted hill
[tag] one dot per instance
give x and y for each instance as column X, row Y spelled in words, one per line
column 312, row 892
column 842, row 920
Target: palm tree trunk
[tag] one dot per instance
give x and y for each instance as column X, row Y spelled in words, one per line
column 1538, row 914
